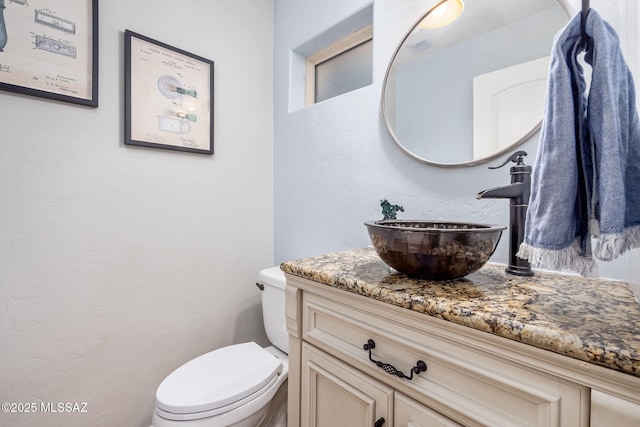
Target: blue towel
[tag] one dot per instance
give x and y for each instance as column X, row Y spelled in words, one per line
column 586, row 177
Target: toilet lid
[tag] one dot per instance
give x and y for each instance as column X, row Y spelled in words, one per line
column 217, row 379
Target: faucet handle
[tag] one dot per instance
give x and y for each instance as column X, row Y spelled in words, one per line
column 517, row 158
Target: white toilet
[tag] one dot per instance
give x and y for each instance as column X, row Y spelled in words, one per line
column 242, row 385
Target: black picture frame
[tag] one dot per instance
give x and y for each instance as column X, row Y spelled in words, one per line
column 168, row 96
column 50, row 53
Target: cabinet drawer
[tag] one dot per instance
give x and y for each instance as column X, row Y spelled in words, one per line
column 467, row 385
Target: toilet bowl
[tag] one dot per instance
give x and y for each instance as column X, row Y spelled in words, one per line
column 241, row 385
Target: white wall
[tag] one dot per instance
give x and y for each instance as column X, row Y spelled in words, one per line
column 335, row 161
column 118, row 264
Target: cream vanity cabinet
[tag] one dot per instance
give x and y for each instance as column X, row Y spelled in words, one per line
column 472, row 378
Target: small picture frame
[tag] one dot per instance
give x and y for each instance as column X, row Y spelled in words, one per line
column 168, row 97
column 49, row 49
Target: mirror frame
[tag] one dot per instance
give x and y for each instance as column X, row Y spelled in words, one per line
column 527, row 136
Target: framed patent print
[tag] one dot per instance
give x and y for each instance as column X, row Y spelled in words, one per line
column 49, row 49
column 168, row 96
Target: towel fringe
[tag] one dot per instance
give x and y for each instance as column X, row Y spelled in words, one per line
column 567, row 258
column 611, row 246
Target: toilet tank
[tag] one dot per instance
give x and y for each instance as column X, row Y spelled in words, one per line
column 273, row 314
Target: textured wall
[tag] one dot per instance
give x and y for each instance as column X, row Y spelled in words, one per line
column 334, row 161
column 118, row 264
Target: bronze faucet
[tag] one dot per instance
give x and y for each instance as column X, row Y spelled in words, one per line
column 518, row 194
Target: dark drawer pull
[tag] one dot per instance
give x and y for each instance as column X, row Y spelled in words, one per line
column 390, row 369
column 379, row 423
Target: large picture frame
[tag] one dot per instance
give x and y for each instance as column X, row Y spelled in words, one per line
column 49, row 49
column 168, row 96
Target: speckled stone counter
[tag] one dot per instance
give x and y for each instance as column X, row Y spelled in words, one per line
column 597, row 321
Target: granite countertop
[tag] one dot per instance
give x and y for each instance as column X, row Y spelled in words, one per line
column 594, row 320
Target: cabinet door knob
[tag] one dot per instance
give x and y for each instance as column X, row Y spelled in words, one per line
column 390, row 369
column 379, row 423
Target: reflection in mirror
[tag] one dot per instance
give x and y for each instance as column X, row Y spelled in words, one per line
column 471, row 90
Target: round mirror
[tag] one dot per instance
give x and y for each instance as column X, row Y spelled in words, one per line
column 466, row 92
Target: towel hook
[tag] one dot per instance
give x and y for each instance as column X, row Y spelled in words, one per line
column 583, row 17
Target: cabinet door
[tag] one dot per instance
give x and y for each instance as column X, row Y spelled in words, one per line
column 409, row 413
column 334, row 394
column 607, row 410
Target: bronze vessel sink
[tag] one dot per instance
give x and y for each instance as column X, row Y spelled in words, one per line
column 434, row 250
